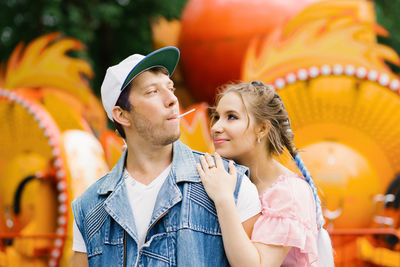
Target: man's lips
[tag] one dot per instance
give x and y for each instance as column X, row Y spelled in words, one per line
column 172, row 117
column 175, row 116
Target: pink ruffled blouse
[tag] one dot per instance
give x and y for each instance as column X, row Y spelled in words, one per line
column 289, row 219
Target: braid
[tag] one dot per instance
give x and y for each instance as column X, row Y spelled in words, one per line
column 287, row 136
column 306, row 174
column 325, row 251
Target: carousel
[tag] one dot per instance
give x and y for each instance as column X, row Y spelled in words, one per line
column 323, row 59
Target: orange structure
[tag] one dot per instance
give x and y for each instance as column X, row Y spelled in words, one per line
column 42, row 98
column 324, row 62
column 345, row 108
column 54, row 144
column 215, row 34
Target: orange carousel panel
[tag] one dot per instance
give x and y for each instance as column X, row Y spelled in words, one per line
column 344, row 106
column 44, row 62
column 39, row 204
column 215, row 35
column 195, row 129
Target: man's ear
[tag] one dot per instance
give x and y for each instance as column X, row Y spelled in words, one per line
column 121, row 116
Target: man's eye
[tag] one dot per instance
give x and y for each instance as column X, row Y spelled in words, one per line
column 172, row 89
column 152, row 92
column 232, row 117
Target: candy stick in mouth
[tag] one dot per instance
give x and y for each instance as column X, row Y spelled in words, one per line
column 190, row 111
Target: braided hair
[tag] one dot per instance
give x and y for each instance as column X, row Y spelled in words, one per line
column 266, row 106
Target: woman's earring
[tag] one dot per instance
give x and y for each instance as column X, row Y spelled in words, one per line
column 258, row 140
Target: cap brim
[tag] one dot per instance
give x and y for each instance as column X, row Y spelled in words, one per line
column 167, row 57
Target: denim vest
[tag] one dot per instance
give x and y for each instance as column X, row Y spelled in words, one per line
column 184, row 229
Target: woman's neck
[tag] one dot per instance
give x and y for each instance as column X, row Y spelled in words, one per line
column 264, row 170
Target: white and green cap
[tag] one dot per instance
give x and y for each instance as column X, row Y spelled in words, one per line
column 119, row 76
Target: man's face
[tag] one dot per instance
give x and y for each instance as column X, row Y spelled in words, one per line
column 154, row 108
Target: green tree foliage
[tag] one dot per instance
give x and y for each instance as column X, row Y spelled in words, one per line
column 388, row 16
column 110, row 29
column 114, row 29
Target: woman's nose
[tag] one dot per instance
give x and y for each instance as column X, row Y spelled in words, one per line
column 217, row 127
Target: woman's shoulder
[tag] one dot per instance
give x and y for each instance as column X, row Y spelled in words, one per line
column 279, row 195
column 290, row 193
column 299, row 188
column 288, row 217
column 287, row 183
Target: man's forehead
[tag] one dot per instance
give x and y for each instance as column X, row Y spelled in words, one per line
column 149, row 78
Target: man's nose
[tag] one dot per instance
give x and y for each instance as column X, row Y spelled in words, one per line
column 171, row 99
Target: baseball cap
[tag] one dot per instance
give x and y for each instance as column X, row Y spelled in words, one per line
column 119, row 76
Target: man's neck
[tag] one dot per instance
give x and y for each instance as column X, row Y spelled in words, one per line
column 146, row 162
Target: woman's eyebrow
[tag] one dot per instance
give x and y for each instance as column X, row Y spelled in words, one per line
column 231, row 111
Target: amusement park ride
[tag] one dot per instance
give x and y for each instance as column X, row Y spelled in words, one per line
column 322, row 58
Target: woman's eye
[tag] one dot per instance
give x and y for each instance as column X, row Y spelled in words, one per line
column 172, row 89
column 152, row 92
column 232, row 117
column 216, row 117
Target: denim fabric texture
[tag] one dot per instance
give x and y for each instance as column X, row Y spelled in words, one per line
column 184, row 229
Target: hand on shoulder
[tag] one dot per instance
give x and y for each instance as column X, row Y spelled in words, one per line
column 218, row 183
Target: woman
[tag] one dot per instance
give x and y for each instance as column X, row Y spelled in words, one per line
column 250, row 125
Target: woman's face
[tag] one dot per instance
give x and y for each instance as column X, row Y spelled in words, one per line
column 233, row 135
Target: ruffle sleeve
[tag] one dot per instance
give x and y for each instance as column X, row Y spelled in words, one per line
column 285, row 221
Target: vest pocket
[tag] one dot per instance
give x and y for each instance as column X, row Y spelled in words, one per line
column 95, row 245
column 109, row 235
column 106, row 245
column 113, row 232
column 94, row 230
column 157, row 249
column 202, row 212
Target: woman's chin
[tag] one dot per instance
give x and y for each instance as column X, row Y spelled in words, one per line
column 225, row 153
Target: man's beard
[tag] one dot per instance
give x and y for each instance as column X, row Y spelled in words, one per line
column 152, row 133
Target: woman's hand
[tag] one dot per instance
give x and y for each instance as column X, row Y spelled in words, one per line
column 218, row 183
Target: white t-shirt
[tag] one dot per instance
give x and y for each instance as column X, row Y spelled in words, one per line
column 142, row 199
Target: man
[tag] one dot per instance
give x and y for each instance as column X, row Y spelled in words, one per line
column 151, row 208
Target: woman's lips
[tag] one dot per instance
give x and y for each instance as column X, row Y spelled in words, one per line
column 220, row 141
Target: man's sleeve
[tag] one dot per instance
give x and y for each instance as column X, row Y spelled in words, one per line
column 248, row 203
column 78, row 244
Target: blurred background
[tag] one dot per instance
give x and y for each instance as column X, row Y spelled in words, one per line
column 335, row 63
